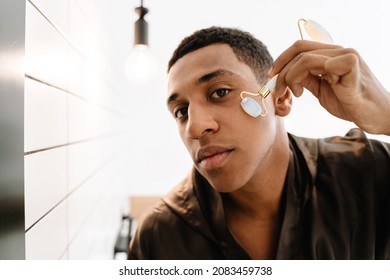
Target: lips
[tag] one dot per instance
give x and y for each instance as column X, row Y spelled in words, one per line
column 213, row 157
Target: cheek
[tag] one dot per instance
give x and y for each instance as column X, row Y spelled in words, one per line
column 188, row 143
column 257, row 135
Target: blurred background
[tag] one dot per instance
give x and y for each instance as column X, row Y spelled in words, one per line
column 82, row 131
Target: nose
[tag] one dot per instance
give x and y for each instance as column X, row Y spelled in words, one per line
column 200, row 122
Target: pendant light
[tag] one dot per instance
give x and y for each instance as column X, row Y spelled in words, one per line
column 140, row 66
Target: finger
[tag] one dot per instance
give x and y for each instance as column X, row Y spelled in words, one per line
column 302, row 71
column 298, row 47
column 343, row 69
column 311, row 63
column 306, row 72
column 336, row 63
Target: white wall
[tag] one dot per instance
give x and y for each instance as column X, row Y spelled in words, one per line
column 75, row 127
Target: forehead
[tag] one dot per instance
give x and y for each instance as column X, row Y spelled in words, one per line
column 188, row 69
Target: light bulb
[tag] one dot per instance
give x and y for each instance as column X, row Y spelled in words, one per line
column 140, row 66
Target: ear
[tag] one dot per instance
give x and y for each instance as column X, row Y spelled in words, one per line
column 283, row 103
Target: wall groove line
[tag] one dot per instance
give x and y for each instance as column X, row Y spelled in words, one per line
column 96, row 104
column 70, row 43
column 96, row 171
column 74, row 143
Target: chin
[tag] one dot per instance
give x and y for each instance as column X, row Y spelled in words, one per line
column 224, row 185
column 222, row 180
column 225, row 189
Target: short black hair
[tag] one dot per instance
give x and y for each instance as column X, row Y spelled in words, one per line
column 246, row 47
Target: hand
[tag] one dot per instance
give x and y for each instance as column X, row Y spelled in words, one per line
column 339, row 78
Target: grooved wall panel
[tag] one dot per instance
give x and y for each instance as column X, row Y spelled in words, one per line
column 46, row 50
column 45, row 110
column 43, row 189
column 48, row 238
column 88, row 120
column 75, row 127
column 85, row 159
column 90, row 210
column 57, row 11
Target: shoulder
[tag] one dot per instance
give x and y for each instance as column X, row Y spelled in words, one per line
column 352, row 159
column 355, row 150
column 162, row 225
column 166, row 210
column 175, row 228
column 151, row 230
column 354, row 144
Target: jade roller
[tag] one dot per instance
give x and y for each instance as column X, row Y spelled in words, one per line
column 255, row 109
column 251, row 106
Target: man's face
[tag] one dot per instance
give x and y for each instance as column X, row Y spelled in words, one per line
column 228, row 147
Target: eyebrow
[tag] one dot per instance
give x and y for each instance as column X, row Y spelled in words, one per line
column 207, row 77
column 204, row 79
column 172, row 98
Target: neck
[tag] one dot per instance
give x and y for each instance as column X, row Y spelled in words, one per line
column 260, row 198
column 253, row 212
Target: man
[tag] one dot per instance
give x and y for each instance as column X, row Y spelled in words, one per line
column 257, row 192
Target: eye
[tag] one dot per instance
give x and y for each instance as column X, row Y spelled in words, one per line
column 219, row 93
column 180, row 113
